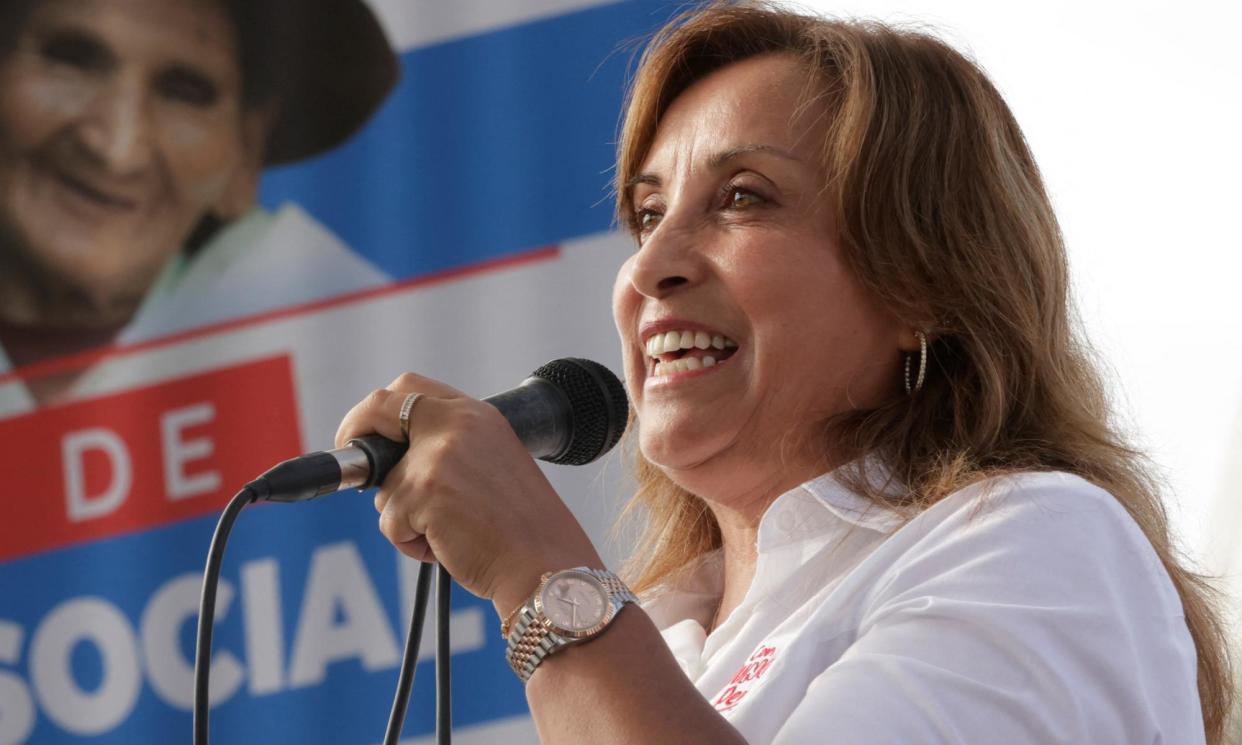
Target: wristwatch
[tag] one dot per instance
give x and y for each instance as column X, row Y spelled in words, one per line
column 568, row 607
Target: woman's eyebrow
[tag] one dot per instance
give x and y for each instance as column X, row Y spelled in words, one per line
column 724, row 156
column 718, row 160
column 191, row 72
column 642, row 178
column 81, row 39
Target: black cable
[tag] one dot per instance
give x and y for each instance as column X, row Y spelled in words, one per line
column 444, row 702
column 207, row 611
column 405, row 680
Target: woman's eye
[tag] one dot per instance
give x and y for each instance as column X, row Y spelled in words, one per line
column 76, row 50
column 740, row 198
column 645, row 220
column 188, row 86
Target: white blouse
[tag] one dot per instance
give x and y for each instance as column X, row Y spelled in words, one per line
column 1025, row 609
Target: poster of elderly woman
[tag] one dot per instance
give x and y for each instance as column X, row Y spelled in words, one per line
column 132, row 137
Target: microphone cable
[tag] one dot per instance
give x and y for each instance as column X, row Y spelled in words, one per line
column 405, row 678
column 207, row 609
column 444, row 694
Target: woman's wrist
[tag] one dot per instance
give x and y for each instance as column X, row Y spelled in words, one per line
column 510, row 599
column 519, row 584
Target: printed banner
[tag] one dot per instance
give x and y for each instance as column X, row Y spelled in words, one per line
column 221, row 225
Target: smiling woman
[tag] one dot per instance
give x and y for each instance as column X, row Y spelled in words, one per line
column 737, row 242
column 884, row 500
column 131, row 131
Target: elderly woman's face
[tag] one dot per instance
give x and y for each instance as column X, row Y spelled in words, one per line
column 121, row 125
column 738, row 254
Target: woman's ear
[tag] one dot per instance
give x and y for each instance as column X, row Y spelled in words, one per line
column 241, row 192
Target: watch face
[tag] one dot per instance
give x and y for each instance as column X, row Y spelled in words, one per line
column 574, row 602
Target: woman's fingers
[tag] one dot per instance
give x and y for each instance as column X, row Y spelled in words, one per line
column 398, row 522
column 417, row 548
column 395, row 523
column 427, row 420
column 466, row 493
column 380, row 411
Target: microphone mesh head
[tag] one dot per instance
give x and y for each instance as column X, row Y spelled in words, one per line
column 599, row 405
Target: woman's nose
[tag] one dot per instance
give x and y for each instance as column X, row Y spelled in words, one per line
column 116, row 129
column 668, row 260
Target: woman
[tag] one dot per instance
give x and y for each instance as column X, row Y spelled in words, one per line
column 884, row 501
column 132, row 135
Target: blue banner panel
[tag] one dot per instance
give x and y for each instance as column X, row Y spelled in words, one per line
column 489, row 145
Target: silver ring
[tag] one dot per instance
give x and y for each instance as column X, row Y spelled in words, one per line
column 404, row 418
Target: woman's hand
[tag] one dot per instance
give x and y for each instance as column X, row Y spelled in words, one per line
column 467, row 494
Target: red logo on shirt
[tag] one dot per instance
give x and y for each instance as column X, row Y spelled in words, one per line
column 744, row 679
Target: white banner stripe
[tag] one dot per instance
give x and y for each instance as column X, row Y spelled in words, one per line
column 411, row 24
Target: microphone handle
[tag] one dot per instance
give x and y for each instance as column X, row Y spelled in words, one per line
column 537, row 410
column 381, row 454
column 540, row 413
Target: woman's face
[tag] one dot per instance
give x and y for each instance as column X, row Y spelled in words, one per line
column 738, row 249
column 121, row 125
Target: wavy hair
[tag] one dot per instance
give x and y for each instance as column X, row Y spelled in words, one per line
column 928, row 173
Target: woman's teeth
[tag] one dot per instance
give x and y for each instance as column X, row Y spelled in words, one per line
column 684, row 364
column 682, row 351
column 673, row 341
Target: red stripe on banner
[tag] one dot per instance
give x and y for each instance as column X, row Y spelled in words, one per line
column 70, row 363
column 131, row 461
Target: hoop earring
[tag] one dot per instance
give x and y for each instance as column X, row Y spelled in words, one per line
column 918, row 383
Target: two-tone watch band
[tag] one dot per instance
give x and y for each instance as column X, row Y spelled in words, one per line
column 531, row 636
column 617, row 590
column 529, row 642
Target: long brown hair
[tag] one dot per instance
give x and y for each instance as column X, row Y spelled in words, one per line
column 930, row 173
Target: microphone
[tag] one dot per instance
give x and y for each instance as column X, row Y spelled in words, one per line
column 570, row 411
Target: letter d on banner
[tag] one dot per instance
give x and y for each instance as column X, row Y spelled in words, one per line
column 73, row 448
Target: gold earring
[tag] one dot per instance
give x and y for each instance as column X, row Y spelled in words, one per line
column 918, row 383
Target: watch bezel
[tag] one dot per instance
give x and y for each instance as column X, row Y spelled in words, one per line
column 610, row 609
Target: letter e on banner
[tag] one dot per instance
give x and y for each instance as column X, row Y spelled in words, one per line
column 179, row 450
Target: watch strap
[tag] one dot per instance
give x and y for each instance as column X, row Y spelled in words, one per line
column 618, row 593
column 529, row 642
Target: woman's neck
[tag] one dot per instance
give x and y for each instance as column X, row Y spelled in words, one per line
column 739, row 572
column 36, row 297
column 739, row 504
column 739, row 533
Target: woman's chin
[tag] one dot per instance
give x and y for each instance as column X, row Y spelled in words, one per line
column 667, row 446
column 682, row 454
